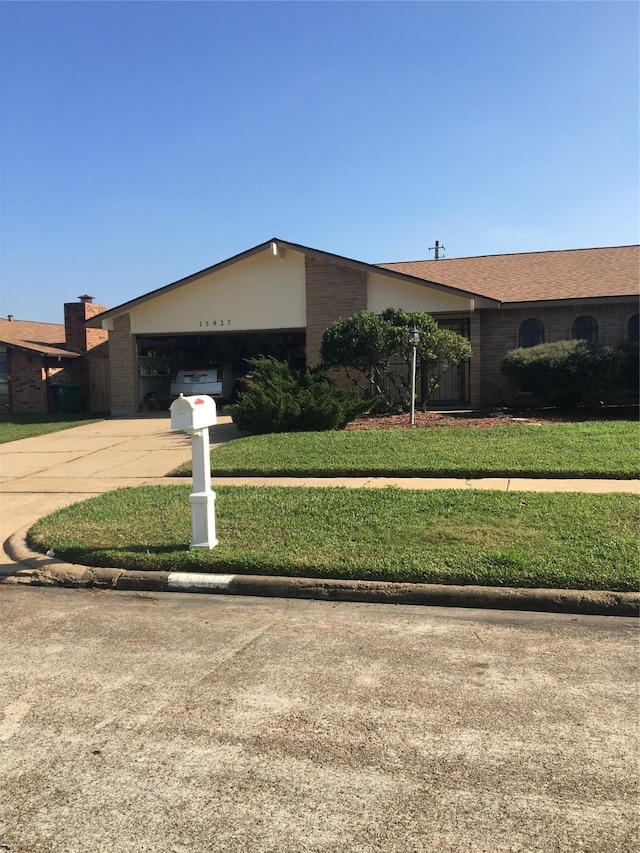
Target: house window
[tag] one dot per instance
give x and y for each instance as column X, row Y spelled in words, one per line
column 531, row 333
column 585, row 328
column 633, row 328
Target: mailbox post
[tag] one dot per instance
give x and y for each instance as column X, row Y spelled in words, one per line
column 195, row 415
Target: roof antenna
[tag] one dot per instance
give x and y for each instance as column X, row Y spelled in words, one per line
column 437, row 249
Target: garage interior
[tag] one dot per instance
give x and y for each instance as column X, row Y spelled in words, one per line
column 160, row 357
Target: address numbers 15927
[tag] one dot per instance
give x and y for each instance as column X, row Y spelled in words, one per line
column 208, row 324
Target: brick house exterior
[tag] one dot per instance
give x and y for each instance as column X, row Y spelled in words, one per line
column 122, row 366
column 35, row 358
column 332, row 291
column 279, row 297
column 500, row 334
column 553, row 288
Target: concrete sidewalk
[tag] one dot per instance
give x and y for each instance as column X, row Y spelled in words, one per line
column 501, row 484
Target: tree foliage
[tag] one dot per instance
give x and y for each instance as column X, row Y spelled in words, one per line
column 367, row 345
column 279, row 398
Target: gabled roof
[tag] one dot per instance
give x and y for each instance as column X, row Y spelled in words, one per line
column 261, row 247
column 528, row 277
column 43, row 338
column 536, row 276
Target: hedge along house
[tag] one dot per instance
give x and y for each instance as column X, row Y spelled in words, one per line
column 54, row 367
column 278, row 298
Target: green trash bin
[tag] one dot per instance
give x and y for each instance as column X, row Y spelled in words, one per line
column 68, row 399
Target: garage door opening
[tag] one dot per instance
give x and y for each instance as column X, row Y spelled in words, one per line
column 162, row 357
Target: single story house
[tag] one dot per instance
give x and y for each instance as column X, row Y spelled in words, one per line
column 54, row 367
column 277, row 298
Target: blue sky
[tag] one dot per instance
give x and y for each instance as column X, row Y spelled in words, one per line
column 143, row 141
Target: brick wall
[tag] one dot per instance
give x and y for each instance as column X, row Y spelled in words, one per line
column 123, row 367
column 332, row 291
column 94, row 343
column 78, row 336
column 33, row 375
column 28, row 382
column 475, row 363
column 499, row 331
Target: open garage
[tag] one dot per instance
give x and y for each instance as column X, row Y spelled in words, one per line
column 163, row 360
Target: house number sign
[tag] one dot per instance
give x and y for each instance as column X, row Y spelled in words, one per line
column 208, row 324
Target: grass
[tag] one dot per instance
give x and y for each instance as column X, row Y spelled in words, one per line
column 593, row 449
column 565, row 540
column 17, row 425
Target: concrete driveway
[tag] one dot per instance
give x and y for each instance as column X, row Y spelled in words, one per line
column 179, row 723
column 41, row 474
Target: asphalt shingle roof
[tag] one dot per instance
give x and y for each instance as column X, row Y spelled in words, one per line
column 536, row 276
column 44, row 338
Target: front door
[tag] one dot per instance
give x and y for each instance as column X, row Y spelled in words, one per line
column 99, row 385
column 454, row 383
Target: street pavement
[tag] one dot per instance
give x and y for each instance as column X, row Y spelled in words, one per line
column 182, row 723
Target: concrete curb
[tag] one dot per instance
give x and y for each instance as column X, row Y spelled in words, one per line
column 38, row 569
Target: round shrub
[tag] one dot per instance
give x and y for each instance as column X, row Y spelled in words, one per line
column 279, row 398
column 564, row 373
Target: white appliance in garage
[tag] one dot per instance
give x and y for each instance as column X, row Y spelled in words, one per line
column 214, row 381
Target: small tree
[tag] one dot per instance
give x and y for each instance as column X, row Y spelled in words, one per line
column 366, row 345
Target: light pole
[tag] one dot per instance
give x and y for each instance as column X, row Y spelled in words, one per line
column 414, row 341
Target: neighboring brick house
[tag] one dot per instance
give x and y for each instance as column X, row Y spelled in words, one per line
column 278, row 298
column 49, row 367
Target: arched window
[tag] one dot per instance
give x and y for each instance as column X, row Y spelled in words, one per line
column 531, row 333
column 585, row 328
column 633, row 328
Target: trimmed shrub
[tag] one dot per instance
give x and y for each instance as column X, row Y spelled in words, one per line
column 564, row 373
column 631, row 366
column 279, row 398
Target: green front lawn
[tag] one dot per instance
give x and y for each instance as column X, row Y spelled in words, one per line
column 16, row 425
column 596, row 449
column 577, row 541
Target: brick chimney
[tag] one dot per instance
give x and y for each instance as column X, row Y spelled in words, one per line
column 77, row 336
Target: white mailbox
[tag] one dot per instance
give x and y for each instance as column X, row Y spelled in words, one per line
column 196, row 412
column 195, row 415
